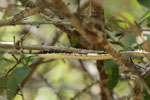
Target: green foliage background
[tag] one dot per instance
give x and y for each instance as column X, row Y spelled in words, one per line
column 65, row 77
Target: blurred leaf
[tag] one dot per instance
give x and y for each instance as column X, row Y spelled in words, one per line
column 4, row 65
column 112, row 35
column 46, row 93
column 145, row 3
column 75, row 43
column 2, row 85
column 129, row 39
column 144, row 17
column 108, row 64
column 148, row 21
column 146, row 95
column 13, row 80
column 112, row 71
column 115, row 23
column 129, row 17
column 28, row 60
column 2, row 98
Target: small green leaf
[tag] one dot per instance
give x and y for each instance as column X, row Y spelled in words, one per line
column 14, row 80
column 145, row 3
column 75, row 43
column 28, row 60
column 108, row 64
column 112, row 71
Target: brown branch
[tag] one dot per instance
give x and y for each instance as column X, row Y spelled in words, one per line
column 98, row 14
column 55, row 22
column 23, row 14
column 137, row 95
column 96, row 37
column 20, row 88
column 28, row 3
column 84, row 42
column 72, row 33
column 10, row 45
column 87, row 34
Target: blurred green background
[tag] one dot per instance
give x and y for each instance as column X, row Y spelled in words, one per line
column 62, row 79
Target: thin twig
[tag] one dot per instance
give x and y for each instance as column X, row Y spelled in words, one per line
column 48, row 84
column 55, row 22
column 21, row 92
column 10, row 45
column 23, row 14
column 83, row 90
column 6, row 74
column 37, row 61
